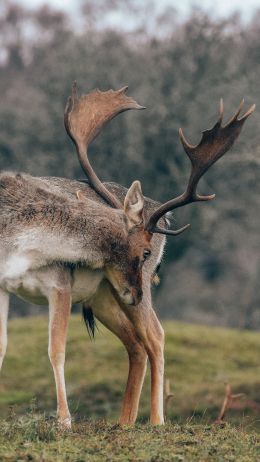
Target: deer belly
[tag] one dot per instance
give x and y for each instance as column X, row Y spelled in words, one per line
column 35, row 285
column 18, row 277
column 85, row 283
column 28, row 287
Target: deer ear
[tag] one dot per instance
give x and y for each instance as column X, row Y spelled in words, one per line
column 134, row 205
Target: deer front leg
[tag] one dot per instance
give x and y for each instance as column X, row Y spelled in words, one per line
column 137, row 369
column 150, row 332
column 4, row 305
column 154, row 345
column 107, row 311
column 59, row 308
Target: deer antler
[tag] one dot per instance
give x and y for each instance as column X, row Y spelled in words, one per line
column 84, row 119
column 213, row 145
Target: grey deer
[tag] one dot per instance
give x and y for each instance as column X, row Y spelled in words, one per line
column 65, row 241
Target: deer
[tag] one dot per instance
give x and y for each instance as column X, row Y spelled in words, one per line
column 99, row 244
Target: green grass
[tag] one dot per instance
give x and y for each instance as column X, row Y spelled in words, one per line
column 198, row 362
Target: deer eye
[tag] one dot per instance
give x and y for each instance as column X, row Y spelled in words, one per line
column 146, row 254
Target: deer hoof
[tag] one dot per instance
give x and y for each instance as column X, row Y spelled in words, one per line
column 64, row 424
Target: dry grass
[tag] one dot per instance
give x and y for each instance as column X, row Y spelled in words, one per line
column 198, row 361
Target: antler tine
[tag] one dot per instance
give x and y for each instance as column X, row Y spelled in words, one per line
column 189, row 147
column 248, row 113
column 123, row 89
column 84, row 118
column 221, row 110
column 213, row 145
column 170, row 232
column 235, row 116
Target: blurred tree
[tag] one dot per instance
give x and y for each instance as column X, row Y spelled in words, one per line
column 178, row 70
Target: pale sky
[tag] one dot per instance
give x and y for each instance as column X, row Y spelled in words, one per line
column 216, row 7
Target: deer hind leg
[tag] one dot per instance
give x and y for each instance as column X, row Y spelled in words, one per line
column 59, row 308
column 4, row 306
column 107, row 311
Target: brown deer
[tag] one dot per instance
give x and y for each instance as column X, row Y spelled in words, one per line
column 65, row 241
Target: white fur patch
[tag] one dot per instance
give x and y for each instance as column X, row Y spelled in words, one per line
column 159, row 259
column 16, row 266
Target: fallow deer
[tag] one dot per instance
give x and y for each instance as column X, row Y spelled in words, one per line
column 65, row 241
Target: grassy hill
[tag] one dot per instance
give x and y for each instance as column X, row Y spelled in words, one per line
column 198, row 362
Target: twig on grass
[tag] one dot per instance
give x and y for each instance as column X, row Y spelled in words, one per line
column 235, row 401
column 168, row 395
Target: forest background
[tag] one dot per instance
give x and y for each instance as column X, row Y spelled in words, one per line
column 178, row 68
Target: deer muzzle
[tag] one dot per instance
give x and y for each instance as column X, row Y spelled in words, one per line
column 127, row 289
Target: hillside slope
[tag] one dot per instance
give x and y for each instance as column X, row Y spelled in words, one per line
column 198, row 362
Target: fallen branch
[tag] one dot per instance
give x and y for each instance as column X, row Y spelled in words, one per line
column 233, row 401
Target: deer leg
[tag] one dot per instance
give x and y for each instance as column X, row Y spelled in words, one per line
column 154, row 345
column 59, row 308
column 4, row 306
column 137, row 369
column 152, row 335
column 107, row 311
column 150, row 331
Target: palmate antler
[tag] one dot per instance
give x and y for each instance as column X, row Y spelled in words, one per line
column 213, row 145
column 84, row 117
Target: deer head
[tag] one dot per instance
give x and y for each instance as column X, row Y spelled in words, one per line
column 128, row 245
column 128, row 256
